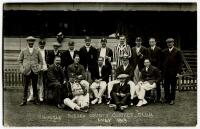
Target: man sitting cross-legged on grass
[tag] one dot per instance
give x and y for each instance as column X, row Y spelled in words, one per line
column 149, row 78
column 121, row 93
column 75, row 95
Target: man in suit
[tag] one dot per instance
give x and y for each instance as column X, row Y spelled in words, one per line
column 55, row 80
column 100, row 76
column 121, row 93
column 171, row 68
column 150, row 75
column 120, row 50
column 105, row 52
column 75, row 95
column 53, row 53
column 68, row 57
column 30, row 61
column 154, row 54
column 42, row 74
column 137, row 59
column 125, row 68
column 76, row 68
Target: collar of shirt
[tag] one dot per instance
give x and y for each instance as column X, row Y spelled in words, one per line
column 147, row 68
column 30, row 49
column 55, row 52
column 125, row 66
column 121, row 84
column 153, row 47
column 170, row 49
column 87, row 46
column 71, row 50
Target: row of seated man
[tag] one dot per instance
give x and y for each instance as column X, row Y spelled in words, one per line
column 75, row 93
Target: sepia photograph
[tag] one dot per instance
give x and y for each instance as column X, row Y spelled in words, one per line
column 127, row 64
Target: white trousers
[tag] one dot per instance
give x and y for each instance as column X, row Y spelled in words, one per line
column 132, row 87
column 142, row 87
column 77, row 101
column 102, row 87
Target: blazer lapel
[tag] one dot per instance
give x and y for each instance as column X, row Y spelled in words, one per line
column 107, row 51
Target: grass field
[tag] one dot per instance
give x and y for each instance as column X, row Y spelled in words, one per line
column 183, row 113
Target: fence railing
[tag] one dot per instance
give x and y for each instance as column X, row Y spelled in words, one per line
column 13, row 79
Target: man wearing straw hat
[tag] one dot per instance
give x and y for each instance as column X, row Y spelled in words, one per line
column 30, row 61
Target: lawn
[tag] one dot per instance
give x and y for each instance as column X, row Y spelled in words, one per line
column 183, row 113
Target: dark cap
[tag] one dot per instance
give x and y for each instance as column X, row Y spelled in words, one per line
column 42, row 42
column 87, row 39
column 104, row 40
column 138, row 39
column 71, row 43
column 169, row 40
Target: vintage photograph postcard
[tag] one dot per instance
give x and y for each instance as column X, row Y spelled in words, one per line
column 99, row 64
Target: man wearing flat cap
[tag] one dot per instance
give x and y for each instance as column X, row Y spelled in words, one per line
column 125, row 68
column 139, row 53
column 53, row 53
column 88, row 55
column 30, row 61
column 172, row 61
column 121, row 93
column 68, row 57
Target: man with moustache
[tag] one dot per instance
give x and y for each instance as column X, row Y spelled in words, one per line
column 30, row 61
column 172, row 60
column 55, row 80
column 53, row 53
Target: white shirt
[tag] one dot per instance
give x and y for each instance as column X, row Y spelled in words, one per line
column 170, row 49
column 88, row 48
column 55, row 52
column 72, row 53
column 103, row 54
column 30, row 50
column 152, row 48
column 137, row 49
column 100, row 68
column 147, row 68
column 125, row 67
column 121, row 84
column 42, row 51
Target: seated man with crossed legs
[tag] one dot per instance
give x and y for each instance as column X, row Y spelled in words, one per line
column 149, row 78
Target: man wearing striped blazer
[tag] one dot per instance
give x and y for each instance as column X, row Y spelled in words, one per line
column 120, row 50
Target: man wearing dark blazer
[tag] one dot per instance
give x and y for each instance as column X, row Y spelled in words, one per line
column 172, row 60
column 105, row 52
column 121, row 93
column 150, row 75
column 139, row 53
column 53, row 53
column 100, row 76
column 88, row 55
column 76, row 68
column 154, row 54
column 55, row 80
column 125, row 68
column 68, row 57
column 30, row 61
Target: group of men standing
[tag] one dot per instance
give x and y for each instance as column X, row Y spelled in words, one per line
column 75, row 75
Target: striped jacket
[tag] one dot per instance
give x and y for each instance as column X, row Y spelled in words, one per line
column 119, row 52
